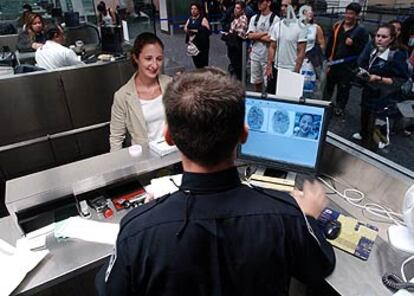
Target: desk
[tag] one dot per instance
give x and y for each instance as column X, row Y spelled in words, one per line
column 67, row 259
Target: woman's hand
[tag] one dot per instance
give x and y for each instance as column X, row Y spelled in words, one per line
column 374, row 78
column 36, row 45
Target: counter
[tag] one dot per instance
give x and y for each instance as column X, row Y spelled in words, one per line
column 352, row 276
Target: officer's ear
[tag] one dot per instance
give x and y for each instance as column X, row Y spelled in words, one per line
column 167, row 136
column 244, row 134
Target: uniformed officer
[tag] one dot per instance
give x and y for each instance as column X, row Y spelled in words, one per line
column 215, row 236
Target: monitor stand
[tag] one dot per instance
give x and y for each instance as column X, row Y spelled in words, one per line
column 273, row 179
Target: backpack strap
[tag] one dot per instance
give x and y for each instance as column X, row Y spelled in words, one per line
column 256, row 20
column 257, row 17
column 272, row 17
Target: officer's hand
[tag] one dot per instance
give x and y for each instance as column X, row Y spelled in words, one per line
column 312, row 200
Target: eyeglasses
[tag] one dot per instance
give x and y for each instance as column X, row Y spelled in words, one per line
column 382, row 36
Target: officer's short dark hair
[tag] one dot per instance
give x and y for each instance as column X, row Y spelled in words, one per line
column 52, row 30
column 355, row 7
column 205, row 114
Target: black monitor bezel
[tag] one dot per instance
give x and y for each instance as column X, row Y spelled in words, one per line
column 288, row 166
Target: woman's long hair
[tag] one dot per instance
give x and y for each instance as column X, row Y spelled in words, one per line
column 398, row 40
column 29, row 22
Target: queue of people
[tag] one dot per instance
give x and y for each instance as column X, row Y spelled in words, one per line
column 292, row 43
column 298, row 44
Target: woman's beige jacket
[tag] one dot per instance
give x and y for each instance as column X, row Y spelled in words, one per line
column 126, row 115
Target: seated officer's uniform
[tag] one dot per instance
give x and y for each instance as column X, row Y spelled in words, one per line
column 216, row 237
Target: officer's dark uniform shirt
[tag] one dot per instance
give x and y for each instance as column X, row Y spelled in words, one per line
column 216, row 237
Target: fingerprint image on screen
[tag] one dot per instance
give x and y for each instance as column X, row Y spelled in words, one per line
column 255, row 118
column 280, row 121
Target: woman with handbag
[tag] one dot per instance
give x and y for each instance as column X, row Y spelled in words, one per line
column 315, row 47
column 197, row 30
column 384, row 69
column 137, row 108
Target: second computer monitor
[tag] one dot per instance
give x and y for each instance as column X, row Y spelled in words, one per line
column 283, row 133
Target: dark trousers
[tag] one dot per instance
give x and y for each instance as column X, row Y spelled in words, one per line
column 367, row 130
column 201, row 60
column 343, row 83
column 271, row 82
column 235, row 55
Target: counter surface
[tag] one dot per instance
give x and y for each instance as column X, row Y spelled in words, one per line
column 352, row 276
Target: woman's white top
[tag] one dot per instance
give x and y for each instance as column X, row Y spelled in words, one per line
column 107, row 19
column 154, row 115
column 311, row 36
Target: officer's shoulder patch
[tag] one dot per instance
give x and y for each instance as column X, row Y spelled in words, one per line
column 111, row 264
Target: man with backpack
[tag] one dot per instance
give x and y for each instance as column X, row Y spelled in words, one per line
column 287, row 46
column 258, row 32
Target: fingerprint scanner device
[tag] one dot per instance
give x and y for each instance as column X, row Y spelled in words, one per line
column 285, row 136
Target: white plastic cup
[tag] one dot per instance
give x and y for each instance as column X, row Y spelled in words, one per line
column 135, row 150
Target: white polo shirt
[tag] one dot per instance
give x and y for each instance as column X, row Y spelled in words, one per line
column 287, row 36
column 52, row 56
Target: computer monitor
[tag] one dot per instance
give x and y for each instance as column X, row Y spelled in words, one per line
column 71, row 19
column 284, row 134
column 112, row 39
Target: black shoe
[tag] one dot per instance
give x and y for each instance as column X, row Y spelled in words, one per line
column 339, row 112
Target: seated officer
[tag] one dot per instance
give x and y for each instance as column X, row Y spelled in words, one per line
column 53, row 55
column 215, row 236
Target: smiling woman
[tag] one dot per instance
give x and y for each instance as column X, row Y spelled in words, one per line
column 137, row 108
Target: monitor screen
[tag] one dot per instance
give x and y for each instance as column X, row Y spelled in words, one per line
column 111, row 39
column 283, row 133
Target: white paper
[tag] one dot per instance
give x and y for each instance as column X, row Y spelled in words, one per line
column 87, row 230
column 289, row 84
column 162, row 186
column 35, row 243
column 125, row 30
column 15, row 264
column 161, row 147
